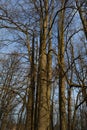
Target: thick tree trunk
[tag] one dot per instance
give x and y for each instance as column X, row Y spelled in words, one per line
column 44, row 93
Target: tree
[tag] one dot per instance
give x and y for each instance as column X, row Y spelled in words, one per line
column 43, row 84
column 61, row 63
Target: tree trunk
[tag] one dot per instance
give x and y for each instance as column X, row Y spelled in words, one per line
column 30, row 103
column 69, row 109
column 62, row 86
column 44, row 93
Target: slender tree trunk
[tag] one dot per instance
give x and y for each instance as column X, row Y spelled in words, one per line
column 49, row 77
column 62, row 86
column 69, row 109
column 36, row 90
column 49, row 70
column 74, row 114
column 30, row 103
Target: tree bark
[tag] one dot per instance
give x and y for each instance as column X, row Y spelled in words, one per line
column 69, row 109
column 30, row 103
column 44, row 93
column 62, row 86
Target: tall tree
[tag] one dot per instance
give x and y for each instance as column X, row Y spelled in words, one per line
column 61, row 63
column 43, row 112
column 30, row 102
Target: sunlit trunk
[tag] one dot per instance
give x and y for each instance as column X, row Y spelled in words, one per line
column 44, row 92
